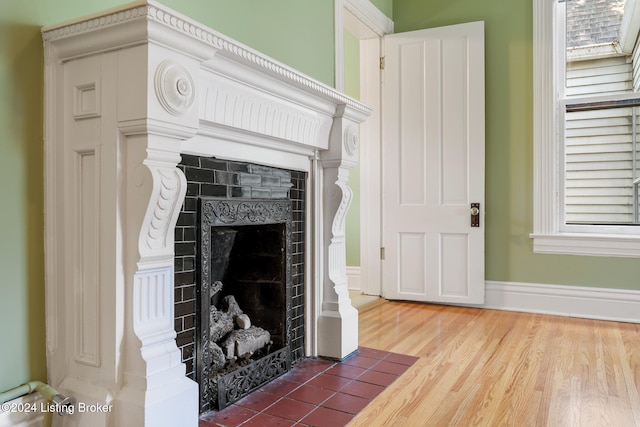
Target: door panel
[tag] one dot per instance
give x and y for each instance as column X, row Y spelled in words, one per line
column 412, row 275
column 433, row 164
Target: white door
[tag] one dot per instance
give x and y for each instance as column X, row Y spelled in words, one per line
column 433, row 165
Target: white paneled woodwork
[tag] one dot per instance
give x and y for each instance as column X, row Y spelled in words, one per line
column 412, row 276
column 455, row 108
column 412, row 150
column 433, row 164
column 86, row 233
column 455, row 253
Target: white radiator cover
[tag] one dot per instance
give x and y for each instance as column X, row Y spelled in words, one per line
column 126, row 92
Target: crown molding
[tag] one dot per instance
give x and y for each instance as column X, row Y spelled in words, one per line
column 370, row 15
column 149, row 21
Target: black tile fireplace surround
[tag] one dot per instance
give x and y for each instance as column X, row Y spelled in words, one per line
column 241, row 187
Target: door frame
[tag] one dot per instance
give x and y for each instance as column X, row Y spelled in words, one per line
column 365, row 21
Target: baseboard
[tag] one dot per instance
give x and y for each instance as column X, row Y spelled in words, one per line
column 23, row 412
column 354, row 282
column 574, row 301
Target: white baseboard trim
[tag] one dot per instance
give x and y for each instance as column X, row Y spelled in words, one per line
column 354, row 282
column 24, row 412
column 574, row 301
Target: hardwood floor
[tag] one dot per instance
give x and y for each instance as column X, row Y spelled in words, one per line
column 499, row 368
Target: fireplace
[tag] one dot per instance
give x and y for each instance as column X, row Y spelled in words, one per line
column 244, row 239
column 132, row 95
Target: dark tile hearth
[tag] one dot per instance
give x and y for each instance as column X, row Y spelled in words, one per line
column 316, row 392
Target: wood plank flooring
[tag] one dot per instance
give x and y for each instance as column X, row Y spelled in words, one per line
column 500, row 368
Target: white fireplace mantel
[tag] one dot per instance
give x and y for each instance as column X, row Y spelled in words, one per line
column 127, row 92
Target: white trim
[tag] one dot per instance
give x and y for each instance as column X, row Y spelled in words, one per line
column 369, row 25
column 574, row 301
column 587, row 244
column 599, row 51
column 545, row 171
column 548, row 237
column 362, row 19
column 368, row 14
column 630, row 26
column 353, row 278
column 370, row 162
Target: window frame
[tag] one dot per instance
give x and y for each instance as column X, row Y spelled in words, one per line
column 550, row 234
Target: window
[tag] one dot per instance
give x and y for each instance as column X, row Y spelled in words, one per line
column 586, row 117
column 600, row 113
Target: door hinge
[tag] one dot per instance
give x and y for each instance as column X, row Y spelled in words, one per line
column 382, row 253
column 382, row 62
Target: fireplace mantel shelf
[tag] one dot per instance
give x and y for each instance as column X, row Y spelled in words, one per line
column 127, row 92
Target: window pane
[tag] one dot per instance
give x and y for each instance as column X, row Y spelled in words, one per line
column 595, row 64
column 601, row 165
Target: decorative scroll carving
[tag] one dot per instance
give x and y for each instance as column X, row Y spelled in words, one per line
column 225, row 213
column 346, row 195
column 174, row 87
column 237, row 384
column 165, row 204
column 167, row 192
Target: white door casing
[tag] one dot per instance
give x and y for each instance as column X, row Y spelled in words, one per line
column 433, row 164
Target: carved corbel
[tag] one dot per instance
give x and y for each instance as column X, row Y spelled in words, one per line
column 338, row 315
column 169, row 187
column 338, row 161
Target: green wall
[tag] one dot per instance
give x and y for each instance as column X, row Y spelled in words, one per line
column 509, row 146
column 297, row 32
column 385, row 6
column 268, row 26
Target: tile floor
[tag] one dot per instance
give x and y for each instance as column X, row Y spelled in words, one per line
column 316, row 392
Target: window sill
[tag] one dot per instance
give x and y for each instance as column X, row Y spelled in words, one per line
column 584, row 244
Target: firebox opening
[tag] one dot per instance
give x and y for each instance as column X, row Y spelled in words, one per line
column 256, row 275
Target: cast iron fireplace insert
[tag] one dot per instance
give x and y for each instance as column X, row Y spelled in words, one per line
column 244, row 254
